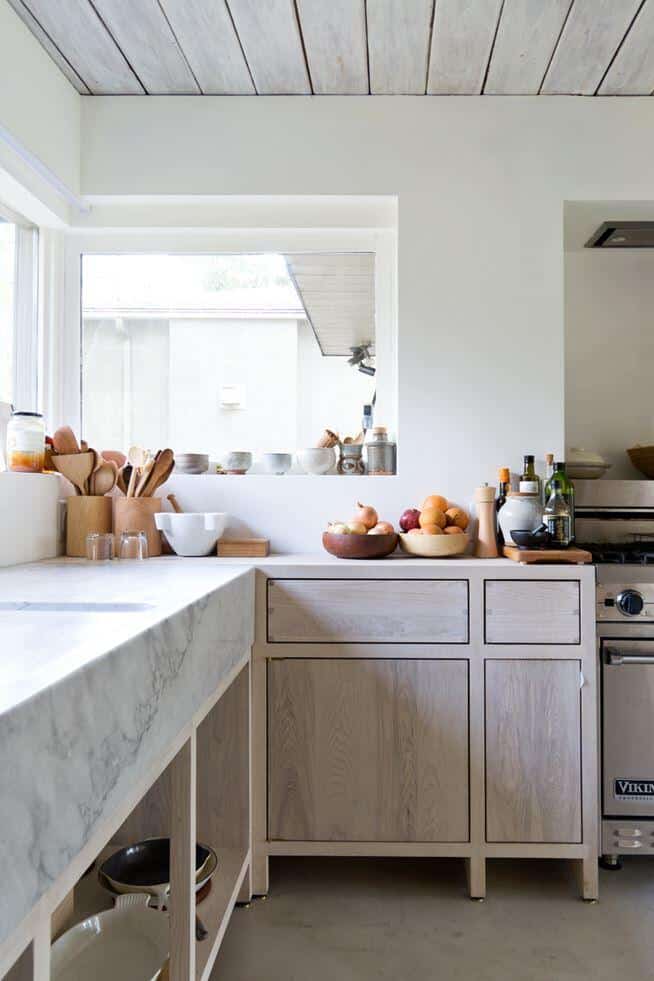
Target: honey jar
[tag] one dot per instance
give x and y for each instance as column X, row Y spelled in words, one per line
column 26, row 442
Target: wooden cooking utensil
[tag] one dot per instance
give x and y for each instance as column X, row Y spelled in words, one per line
column 137, row 459
column 65, row 441
column 103, row 480
column 176, row 506
column 163, row 467
column 145, row 474
column 119, row 458
column 76, row 467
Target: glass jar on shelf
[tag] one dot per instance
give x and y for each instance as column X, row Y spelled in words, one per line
column 26, row 442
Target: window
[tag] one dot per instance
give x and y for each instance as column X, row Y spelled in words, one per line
column 18, row 313
column 215, row 353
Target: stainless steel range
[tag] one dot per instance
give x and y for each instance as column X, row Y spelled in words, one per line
column 615, row 521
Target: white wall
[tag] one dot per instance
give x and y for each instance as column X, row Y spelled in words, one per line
column 609, row 332
column 481, row 185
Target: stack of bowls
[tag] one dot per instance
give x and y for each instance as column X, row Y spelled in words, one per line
column 191, row 462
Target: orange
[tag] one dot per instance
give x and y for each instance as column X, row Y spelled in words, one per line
column 453, row 530
column 458, row 517
column 432, row 516
column 434, row 501
column 432, row 530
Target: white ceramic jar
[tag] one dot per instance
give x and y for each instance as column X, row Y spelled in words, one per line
column 522, row 512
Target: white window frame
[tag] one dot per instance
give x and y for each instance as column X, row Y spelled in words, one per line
column 381, row 241
column 26, row 352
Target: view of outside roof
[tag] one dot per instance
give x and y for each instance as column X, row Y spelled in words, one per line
column 258, row 283
column 7, row 273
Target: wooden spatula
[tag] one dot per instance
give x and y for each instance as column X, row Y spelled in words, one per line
column 65, row 441
column 76, row 467
column 160, row 473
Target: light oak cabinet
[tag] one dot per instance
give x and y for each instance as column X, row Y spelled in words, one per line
column 533, row 751
column 367, row 611
column 368, row 750
column 532, row 612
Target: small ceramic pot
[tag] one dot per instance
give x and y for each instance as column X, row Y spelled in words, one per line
column 317, row 459
column 237, row 462
column 277, row 463
column 523, row 512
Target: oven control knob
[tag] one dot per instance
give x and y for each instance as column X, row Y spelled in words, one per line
column 630, row 602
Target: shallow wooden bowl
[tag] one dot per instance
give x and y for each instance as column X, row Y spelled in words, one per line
column 642, row 458
column 434, row 546
column 359, row 546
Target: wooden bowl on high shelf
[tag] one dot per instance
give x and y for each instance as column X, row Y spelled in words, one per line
column 434, row 546
column 359, row 546
column 642, row 458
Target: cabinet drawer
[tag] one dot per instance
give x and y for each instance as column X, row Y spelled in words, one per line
column 532, row 612
column 367, row 611
column 367, row 750
column 533, row 751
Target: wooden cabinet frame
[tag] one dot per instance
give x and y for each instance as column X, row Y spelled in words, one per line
column 478, row 653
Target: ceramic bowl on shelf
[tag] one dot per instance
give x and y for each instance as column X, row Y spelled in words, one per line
column 237, row 462
column 359, row 546
column 585, row 465
column 192, row 534
column 130, row 942
column 317, row 459
column 434, row 546
column 276, row 463
column 191, row 463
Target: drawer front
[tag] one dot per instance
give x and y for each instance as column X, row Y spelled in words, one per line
column 532, row 612
column 367, row 611
column 367, row 750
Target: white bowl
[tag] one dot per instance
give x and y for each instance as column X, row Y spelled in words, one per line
column 192, row 462
column 317, row 459
column 276, row 462
column 130, row 942
column 192, row 534
column 237, row 462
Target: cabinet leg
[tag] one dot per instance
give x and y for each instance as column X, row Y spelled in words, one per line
column 260, row 880
column 476, row 876
column 588, row 878
column 245, row 892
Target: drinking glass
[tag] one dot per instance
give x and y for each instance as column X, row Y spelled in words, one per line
column 99, row 547
column 133, row 545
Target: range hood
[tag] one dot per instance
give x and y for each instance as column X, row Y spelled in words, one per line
column 623, row 235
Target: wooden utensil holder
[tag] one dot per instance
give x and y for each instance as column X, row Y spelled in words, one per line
column 83, row 516
column 137, row 514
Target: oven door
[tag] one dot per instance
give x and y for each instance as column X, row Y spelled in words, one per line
column 628, row 727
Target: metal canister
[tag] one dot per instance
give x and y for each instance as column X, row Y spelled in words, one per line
column 351, row 462
column 381, row 453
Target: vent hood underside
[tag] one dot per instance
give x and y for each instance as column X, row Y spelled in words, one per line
column 623, row 235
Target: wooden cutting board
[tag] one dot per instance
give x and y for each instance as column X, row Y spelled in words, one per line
column 575, row 556
column 243, row 548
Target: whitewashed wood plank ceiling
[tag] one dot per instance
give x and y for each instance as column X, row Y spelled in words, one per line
column 348, row 47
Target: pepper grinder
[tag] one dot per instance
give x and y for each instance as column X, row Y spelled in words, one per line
column 486, row 547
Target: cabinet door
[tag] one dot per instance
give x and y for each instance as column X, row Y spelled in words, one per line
column 368, row 750
column 533, row 751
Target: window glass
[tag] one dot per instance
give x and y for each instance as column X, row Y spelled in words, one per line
column 7, row 276
column 217, row 353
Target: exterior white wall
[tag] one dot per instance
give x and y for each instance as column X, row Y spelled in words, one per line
column 609, row 334
column 481, row 185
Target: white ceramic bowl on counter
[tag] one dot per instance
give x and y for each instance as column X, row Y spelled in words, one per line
column 277, row 463
column 192, row 534
column 317, row 460
column 238, row 461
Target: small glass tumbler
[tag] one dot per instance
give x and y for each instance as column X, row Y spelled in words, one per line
column 133, row 545
column 99, row 547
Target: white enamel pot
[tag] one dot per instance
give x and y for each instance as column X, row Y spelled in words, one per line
column 522, row 512
column 192, row 534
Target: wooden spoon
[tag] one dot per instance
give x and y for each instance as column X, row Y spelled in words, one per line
column 104, row 479
column 160, row 473
column 123, row 478
column 119, row 458
column 174, row 503
column 137, row 458
column 76, row 467
column 65, row 441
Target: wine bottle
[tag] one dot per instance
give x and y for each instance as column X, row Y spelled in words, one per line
column 567, row 489
column 503, row 487
column 556, row 515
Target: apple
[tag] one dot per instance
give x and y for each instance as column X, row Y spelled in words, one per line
column 410, row 519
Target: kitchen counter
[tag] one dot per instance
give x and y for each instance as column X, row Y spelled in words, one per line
column 90, row 697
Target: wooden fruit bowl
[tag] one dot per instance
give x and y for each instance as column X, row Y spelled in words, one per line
column 359, row 546
column 642, row 458
column 434, row 546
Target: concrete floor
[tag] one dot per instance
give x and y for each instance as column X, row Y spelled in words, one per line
column 410, row 920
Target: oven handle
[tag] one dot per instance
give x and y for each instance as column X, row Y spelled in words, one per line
column 616, row 659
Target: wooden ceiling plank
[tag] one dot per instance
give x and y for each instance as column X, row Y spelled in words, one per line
column 526, row 38
column 148, row 43
column 335, row 43
column 461, row 44
column 77, row 31
column 49, row 46
column 270, row 37
column 590, row 38
column 206, row 35
column 632, row 72
column 398, row 45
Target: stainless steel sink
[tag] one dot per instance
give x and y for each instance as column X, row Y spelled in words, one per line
column 40, row 606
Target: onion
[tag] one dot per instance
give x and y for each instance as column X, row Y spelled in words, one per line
column 366, row 515
column 356, row 528
column 382, row 528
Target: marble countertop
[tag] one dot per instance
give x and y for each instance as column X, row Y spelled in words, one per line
column 92, row 696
